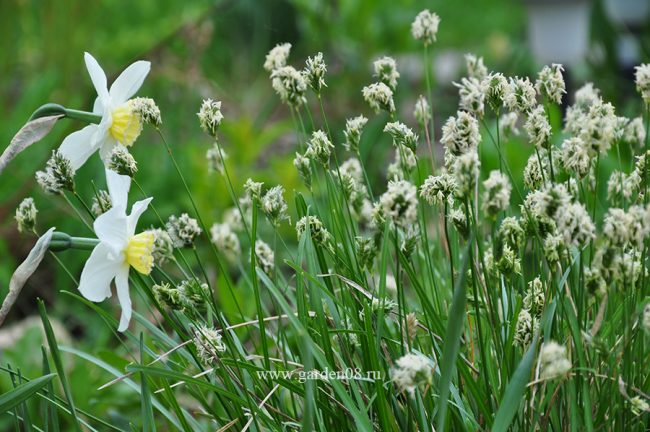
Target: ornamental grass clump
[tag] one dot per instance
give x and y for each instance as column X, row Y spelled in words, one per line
column 436, row 289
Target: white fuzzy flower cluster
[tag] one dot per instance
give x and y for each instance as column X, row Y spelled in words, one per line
column 538, row 127
column 553, row 361
column 122, row 162
column 460, row 134
column 411, row 371
column 534, row 298
column 183, row 230
column 496, row 196
column 101, row 202
column 398, row 204
column 379, row 96
column 466, row 169
column 472, row 95
column 226, row 240
column 537, row 171
column 525, row 328
column 210, row 116
column 425, row 27
column 422, row 110
column 495, row 86
column 147, row 110
column 550, row 83
column 216, row 158
column 58, row 175
column 519, row 95
column 575, row 157
column 319, row 148
column 592, row 120
column 265, row 256
column 635, row 133
column 402, row 134
column 317, row 230
column 209, row 344
column 353, row 128
column 26, row 215
column 403, row 164
column 303, row 165
column 642, row 75
column 508, row 125
column 277, row 57
column 439, row 189
column 639, row 406
column 315, row 70
column 575, row 224
column 475, row 67
column 386, row 71
column 274, row 206
column 290, row 84
column 163, row 246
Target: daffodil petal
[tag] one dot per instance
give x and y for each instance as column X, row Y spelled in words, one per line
column 111, row 228
column 136, row 211
column 106, row 148
column 122, row 285
column 129, row 82
column 97, row 76
column 98, row 272
column 79, row 146
column 118, row 188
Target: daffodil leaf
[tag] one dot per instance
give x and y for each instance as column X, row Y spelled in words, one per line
column 33, row 131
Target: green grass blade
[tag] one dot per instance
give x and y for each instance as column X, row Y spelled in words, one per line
column 148, row 423
column 515, row 391
column 22, row 392
column 58, row 364
column 452, row 337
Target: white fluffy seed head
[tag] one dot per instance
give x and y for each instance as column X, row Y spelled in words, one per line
column 550, row 83
column 553, row 361
column 26, row 215
column 210, row 116
column 538, row 127
column 386, row 71
column 425, row 27
column 519, row 95
column 277, row 57
column 642, row 75
column 411, row 371
column 379, row 96
column 461, row 134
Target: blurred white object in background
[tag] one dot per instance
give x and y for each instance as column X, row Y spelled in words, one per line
column 558, row 30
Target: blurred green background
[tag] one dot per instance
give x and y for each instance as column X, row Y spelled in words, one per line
column 216, row 49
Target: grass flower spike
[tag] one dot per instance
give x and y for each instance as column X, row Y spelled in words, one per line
column 120, row 122
column 118, row 250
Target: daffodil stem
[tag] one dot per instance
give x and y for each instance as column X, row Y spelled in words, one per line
column 50, row 109
column 62, row 241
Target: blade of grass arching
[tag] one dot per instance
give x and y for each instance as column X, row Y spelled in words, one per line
column 23, row 409
column 171, row 398
column 23, row 392
column 127, row 381
column 361, row 419
column 515, row 390
column 58, row 364
column 453, row 334
column 148, row 423
column 50, row 414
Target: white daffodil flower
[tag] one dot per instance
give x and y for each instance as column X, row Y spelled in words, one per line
column 119, row 124
column 118, row 250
